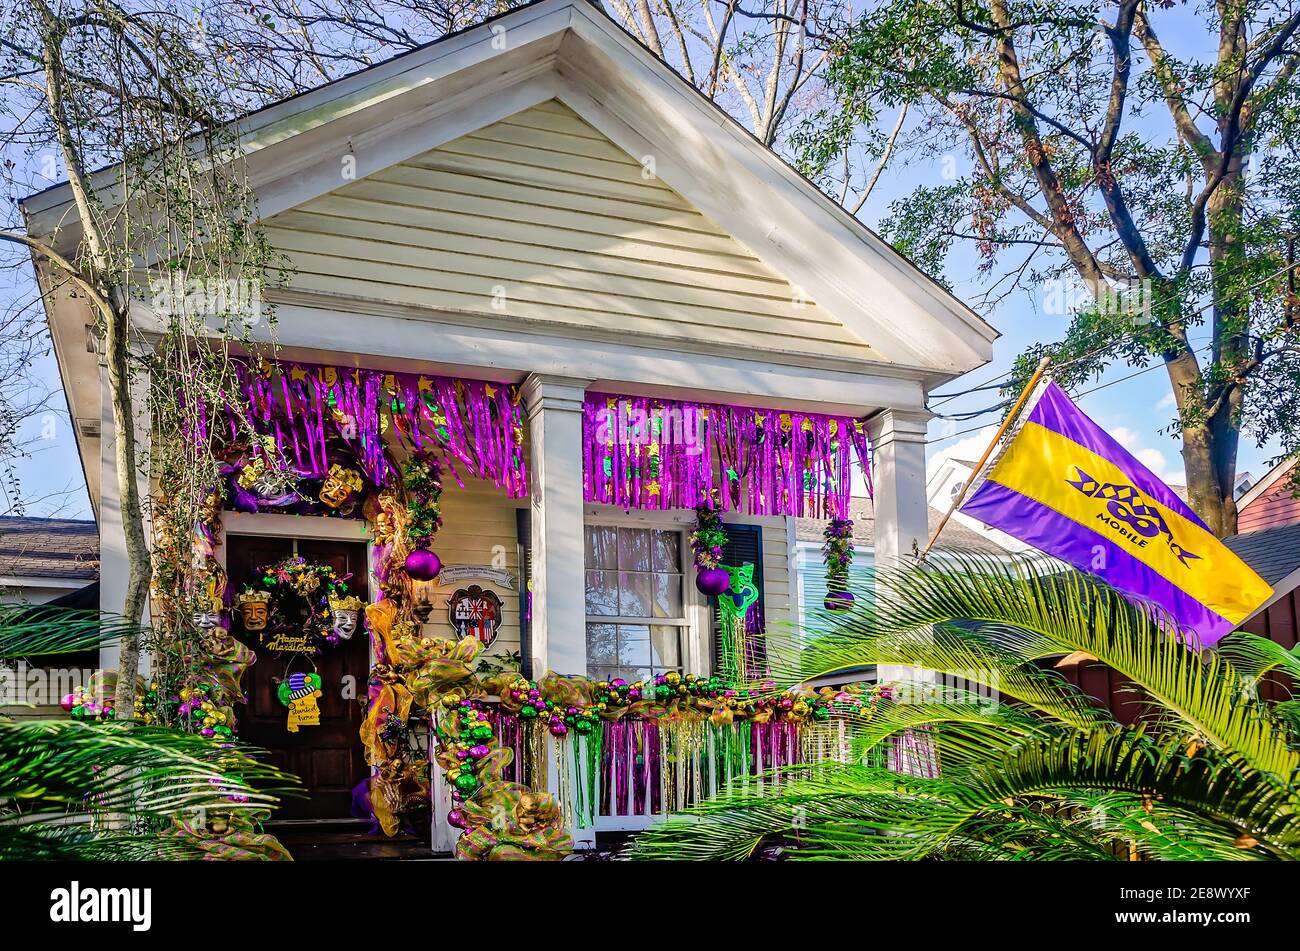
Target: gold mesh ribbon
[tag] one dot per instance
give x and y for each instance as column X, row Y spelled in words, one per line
column 510, row 822
column 238, row 842
column 438, row 665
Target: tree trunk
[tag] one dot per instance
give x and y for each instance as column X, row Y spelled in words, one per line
column 139, row 566
column 114, row 308
column 1211, row 499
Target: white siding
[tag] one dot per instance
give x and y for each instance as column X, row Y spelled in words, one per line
column 478, row 525
column 540, row 218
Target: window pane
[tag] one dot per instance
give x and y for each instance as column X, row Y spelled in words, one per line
column 634, row 645
column 665, row 647
column 667, row 551
column 668, row 596
column 602, row 593
column 634, row 594
column 602, row 644
column 634, row 549
column 602, row 546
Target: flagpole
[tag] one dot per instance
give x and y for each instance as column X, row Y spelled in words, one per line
column 1011, row 417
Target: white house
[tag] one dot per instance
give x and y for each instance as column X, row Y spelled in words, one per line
column 539, row 201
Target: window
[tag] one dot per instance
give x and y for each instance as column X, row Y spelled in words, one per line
column 636, row 613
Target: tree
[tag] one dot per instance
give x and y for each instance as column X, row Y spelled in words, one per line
column 1035, row 770
column 762, row 62
column 132, row 106
column 1165, row 185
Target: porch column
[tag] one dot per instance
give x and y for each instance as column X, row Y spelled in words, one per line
column 898, row 477
column 114, row 571
column 558, row 630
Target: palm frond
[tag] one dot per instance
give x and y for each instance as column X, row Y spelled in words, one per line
column 27, row 631
column 55, row 772
column 1211, row 774
column 1021, row 610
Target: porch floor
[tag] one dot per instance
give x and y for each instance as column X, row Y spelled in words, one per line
column 347, row 839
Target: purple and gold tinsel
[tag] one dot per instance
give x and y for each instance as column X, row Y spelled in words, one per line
column 471, row 423
column 648, row 453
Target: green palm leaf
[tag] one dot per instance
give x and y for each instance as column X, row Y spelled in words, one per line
column 1047, row 775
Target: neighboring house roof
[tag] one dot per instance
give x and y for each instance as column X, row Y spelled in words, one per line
column 1269, row 503
column 1274, row 553
column 49, row 548
column 955, row 535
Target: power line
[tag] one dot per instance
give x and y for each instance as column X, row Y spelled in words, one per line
column 994, row 382
column 1077, row 396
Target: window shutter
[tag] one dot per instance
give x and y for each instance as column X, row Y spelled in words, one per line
column 744, row 544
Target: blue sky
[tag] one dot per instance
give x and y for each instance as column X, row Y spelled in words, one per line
column 1136, row 411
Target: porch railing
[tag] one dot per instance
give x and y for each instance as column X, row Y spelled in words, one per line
column 629, row 774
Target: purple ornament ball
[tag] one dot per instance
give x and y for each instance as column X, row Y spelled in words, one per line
column 713, row 581
column 68, row 702
column 423, row 565
column 838, row 600
column 456, row 818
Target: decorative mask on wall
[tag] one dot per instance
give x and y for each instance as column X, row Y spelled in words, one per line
column 341, row 486
column 207, row 613
column 345, row 612
column 254, row 609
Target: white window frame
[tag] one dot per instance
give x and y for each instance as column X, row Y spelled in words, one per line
column 694, row 644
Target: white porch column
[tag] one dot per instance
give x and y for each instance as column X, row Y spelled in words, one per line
column 898, row 477
column 558, row 630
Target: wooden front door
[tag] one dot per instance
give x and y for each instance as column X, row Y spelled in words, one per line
column 327, row 758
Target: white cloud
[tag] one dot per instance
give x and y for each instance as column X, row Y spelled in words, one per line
column 1153, row 459
column 1167, row 401
column 969, row 448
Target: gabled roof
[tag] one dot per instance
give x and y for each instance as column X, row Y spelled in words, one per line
column 1274, row 553
column 57, row 548
column 573, row 51
column 1267, row 483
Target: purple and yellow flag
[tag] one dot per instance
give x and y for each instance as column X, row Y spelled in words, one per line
column 1066, row 487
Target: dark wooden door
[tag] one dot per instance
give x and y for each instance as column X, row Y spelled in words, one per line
column 327, row 758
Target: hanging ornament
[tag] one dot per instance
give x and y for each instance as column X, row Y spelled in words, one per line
column 707, row 541
column 299, row 693
column 422, row 565
column 421, row 476
column 837, row 552
column 733, row 657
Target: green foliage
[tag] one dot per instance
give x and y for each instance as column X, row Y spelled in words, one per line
column 78, row 790
column 1030, row 768
column 1076, row 148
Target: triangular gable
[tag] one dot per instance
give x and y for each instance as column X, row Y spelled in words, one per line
column 540, row 218
column 571, row 50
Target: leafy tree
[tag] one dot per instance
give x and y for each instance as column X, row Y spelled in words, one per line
column 130, row 103
column 1165, row 185
column 1043, row 773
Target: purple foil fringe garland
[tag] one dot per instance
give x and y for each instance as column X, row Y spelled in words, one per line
column 649, row 453
column 469, row 421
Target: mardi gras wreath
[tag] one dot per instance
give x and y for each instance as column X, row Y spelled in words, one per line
column 296, row 605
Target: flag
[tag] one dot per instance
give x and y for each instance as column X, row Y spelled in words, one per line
column 1065, row 486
